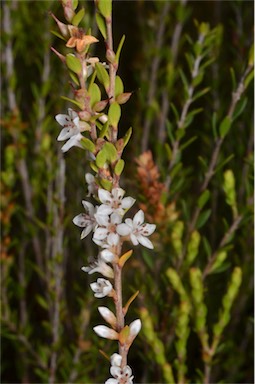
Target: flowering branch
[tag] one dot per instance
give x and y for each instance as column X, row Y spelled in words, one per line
column 94, row 127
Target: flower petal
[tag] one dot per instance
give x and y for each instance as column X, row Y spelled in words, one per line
column 145, row 241
column 106, row 332
column 104, row 196
column 127, row 202
column 123, row 229
column 138, row 218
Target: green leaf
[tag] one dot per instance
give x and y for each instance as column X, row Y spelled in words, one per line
column 200, row 94
column 105, row 7
column 233, row 78
column 119, row 87
column 240, row 108
column 248, row 79
column 101, row 24
column 78, row 17
column 221, row 257
column 88, row 144
column 187, row 143
column 75, row 4
column 207, row 247
column 198, row 79
column 119, row 48
column 74, row 78
column 104, row 129
column 119, row 167
column 214, row 125
column 169, row 128
column 110, row 152
column 225, row 126
column 184, row 80
column 224, row 162
column 203, row 198
column 72, row 101
column 106, row 184
column 176, row 114
column 114, row 114
column 73, row 63
column 58, row 34
column 95, row 94
column 101, row 159
column 103, row 75
column 127, row 136
column 203, row 217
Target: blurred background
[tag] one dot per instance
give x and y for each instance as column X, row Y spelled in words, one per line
column 48, row 310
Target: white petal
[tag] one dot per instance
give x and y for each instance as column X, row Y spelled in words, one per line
column 116, row 359
column 104, row 196
column 112, row 381
column 102, row 220
column 127, row 202
column 129, row 222
column 106, row 332
column 108, row 315
column 145, row 241
column 123, row 229
column 63, row 120
column 148, row 229
column 65, row 134
column 86, row 231
column 135, row 327
column 72, row 113
column 116, row 372
column 138, row 218
column 80, row 220
column 89, row 178
column 116, row 219
column 74, row 141
column 104, row 209
column 88, row 207
column 107, row 255
column 113, row 239
column 100, row 233
column 134, row 239
column 118, row 193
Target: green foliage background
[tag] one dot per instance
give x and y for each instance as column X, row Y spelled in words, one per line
column 186, row 297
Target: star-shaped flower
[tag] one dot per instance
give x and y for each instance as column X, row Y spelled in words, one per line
column 137, row 230
column 114, row 202
column 101, row 288
column 99, row 266
column 72, row 128
column 79, row 39
column 86, row 220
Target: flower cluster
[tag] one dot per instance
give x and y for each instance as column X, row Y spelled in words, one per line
column 109, row 230
column 120, row 375
column 94, row 127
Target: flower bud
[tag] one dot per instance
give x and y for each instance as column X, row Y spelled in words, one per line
column 108, row 316
column 105, row 332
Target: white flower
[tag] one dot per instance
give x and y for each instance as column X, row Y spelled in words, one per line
column 137, row 229
column 72, row 128
column 121, row 375
column 101, row 288
column 107, row 333
column 86, row 220
column 92, row 186
column 106, row 231
column 116, row 359
column 134, row 328
column 114, row 201
column 108, row 316
column 99, row 266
